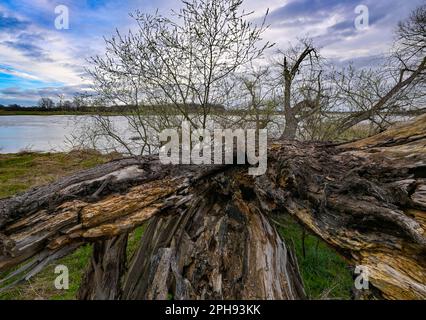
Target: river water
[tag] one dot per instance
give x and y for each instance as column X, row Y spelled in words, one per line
column 57, row 133
column 43, row 133
column 53, row 133
column 35, row 133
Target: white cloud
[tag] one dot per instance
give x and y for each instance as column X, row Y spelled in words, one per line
column 19, row 74
column 62, row 54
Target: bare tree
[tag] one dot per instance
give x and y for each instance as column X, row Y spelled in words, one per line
column 355, row 91
column 252, row 99
column 261, row 96
column 299, row 76
column 180, row 63
column 397, row 86
column 411, row 36
column 78, row 101
column 46, row 103
column 61, row 100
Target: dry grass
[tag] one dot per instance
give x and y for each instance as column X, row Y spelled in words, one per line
column 21, row 171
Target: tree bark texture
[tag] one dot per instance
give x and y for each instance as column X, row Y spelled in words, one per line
column 219, row 246
column 103, row 277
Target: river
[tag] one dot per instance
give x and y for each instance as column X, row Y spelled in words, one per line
column 42, row 133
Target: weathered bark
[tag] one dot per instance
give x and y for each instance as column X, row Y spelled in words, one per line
column 102, row 280
column 219, row 246
column 291, row 125
column 366, row 199
column 289, row 73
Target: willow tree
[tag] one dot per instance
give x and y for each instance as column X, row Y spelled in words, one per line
column 174, row 68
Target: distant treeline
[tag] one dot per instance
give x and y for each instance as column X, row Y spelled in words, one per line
column 159, row 109
column 18, row 108
column 118, row 109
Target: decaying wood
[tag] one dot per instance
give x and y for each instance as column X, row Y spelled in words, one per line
column 218, row 246
column 366, row 199
column 107, row 266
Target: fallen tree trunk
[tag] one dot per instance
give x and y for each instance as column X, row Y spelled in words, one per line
column 220, row 247
column 210, row 235
column 102, row 280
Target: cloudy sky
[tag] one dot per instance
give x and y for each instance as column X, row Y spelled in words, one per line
column 38, row 60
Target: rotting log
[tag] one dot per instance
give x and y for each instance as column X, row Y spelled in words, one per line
column 106, row 269
column 219, row 246
column 366, row 199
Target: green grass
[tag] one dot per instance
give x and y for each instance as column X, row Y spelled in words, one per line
column 325, row 274
column 42, row 285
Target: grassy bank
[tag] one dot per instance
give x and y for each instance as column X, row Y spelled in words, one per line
column 324, row 273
